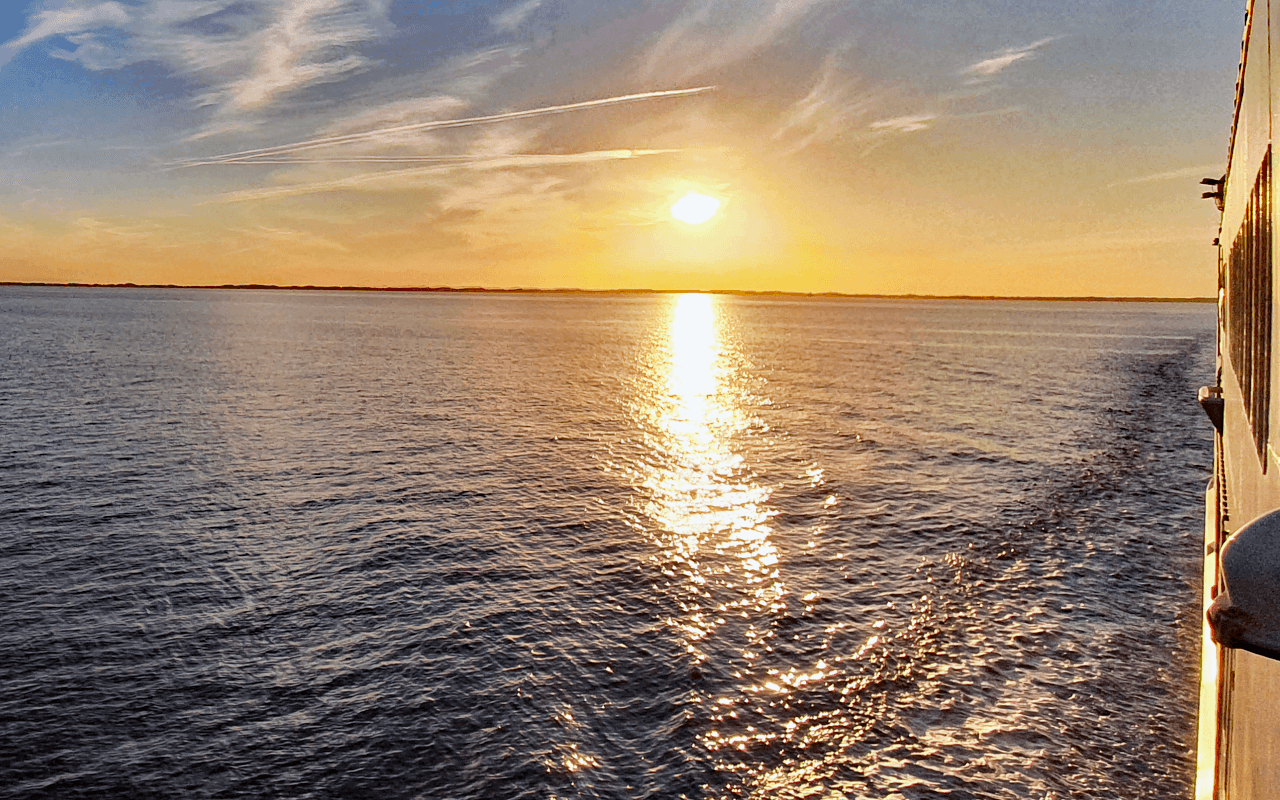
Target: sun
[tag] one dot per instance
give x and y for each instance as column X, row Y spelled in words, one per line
column 695, row 208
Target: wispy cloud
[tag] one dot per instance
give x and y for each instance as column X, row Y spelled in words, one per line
column 996, row 64
column 715, row 33
column 842, row 105
column 907, row 124
column 267, row 235
column 1206, row 170
column 396, row 114
column 12, row 230
column 245, row 54
column 96, row 229
column 27, row 147
column 71, row 19
column 515, row 16
column 405, row 178
column 308, row 42
column 826, row 112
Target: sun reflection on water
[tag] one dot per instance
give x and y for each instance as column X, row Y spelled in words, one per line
column 716, row 555
column 713, row 518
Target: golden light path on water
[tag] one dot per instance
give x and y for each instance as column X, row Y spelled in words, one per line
column 702, row 500
column 866, row 706
column 712, row 518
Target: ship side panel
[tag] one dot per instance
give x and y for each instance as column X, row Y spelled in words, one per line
column 1253, row 750
column 1249, row 744
column 1251, row 485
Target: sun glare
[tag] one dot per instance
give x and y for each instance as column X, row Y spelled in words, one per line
column 695, row 208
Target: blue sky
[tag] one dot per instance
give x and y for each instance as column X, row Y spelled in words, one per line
column 972, row 147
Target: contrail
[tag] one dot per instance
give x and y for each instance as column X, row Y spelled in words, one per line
column 516, row 161
column 360, row 160
column 250, row 156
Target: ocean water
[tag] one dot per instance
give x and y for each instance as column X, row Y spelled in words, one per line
column 365, row 545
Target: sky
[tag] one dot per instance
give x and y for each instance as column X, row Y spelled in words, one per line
column 978, row 147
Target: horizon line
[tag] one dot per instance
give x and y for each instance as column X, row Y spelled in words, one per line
column 570, row 290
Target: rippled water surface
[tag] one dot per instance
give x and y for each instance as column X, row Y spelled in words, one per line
column 332, row 545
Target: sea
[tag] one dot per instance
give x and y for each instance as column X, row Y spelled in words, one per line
column 464, row 545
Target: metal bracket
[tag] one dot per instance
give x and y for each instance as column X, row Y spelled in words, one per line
column 1210, row 398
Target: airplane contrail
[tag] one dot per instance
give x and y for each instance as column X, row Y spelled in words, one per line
column 515, row 161
column 362, row 160
column 252, row 156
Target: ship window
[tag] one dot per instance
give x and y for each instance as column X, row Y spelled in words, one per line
column 1249, row 306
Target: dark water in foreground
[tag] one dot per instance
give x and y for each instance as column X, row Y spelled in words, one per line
column 313, row 545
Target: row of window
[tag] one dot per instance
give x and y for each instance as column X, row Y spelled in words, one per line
column 1249, row 282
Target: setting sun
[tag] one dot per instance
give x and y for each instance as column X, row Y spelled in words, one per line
column 695, row 208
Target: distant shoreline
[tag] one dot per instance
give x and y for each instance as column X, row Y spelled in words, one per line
column 734, row 292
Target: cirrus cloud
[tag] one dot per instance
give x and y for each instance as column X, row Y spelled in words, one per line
column 989, row 67
column 245, row 55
